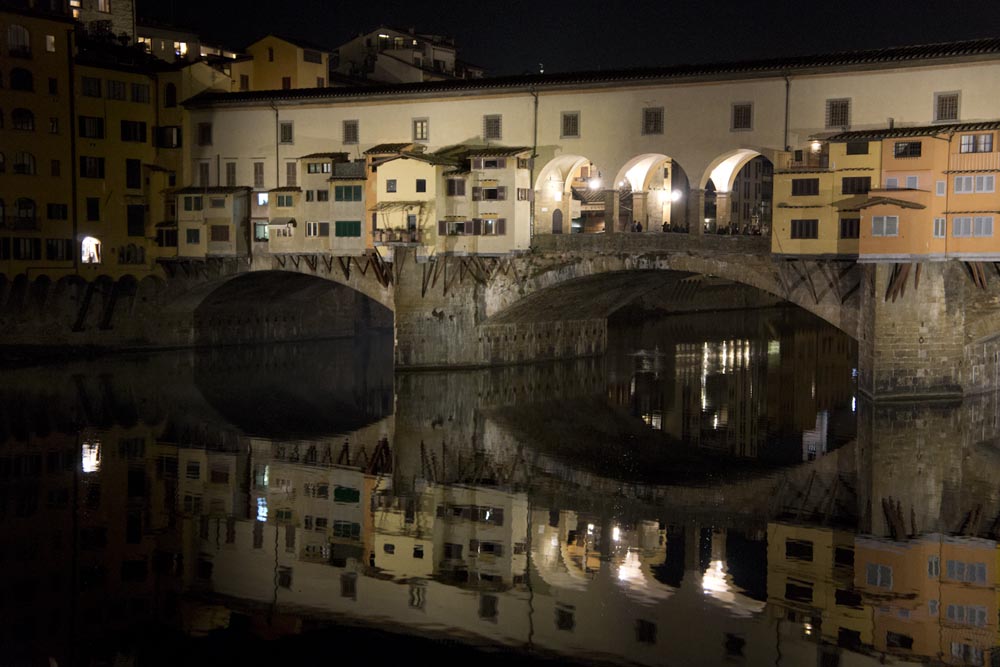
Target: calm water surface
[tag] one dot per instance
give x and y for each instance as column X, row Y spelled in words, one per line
column 712, row 491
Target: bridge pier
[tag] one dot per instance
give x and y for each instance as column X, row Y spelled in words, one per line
column 696, row 211
column 911, row 332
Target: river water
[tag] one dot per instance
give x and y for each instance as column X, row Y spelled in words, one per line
column 712, row 491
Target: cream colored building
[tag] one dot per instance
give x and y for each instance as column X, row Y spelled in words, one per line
column 282, row 63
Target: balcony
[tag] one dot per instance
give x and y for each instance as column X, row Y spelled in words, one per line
column 974, row 162
column 807, row 161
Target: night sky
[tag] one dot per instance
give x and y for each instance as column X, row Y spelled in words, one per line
column 514, row 36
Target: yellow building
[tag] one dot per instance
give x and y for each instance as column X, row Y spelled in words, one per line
column 282, row 63
column 815, row 195
column 36, row 133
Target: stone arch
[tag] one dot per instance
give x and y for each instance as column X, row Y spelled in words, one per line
column 718, row 182
column 569, row 183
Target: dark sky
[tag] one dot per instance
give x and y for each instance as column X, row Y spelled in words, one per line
column 513, row 36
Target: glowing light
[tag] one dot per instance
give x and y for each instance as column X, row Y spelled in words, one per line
column 621, row 183
column 90, row 250
column 590, row 529
column 815, row 146
column 262, row 509
column 90, row 456
column 676, row 195
column 616, row 534
column 807, row 628
column 595, row 183
column 854, row 403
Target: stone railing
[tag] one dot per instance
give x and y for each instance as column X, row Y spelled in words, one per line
column 645, row 242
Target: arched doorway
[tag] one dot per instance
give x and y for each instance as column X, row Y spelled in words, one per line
column 557, row 221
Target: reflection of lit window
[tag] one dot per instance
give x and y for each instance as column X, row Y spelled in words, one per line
column 91, row 455
column 90, row 251
column 262, row 509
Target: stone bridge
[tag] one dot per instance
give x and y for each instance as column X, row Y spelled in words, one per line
column 922, row 329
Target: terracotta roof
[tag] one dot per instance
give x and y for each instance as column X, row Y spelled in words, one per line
column 977, row 49
column 497, row 151
column 286, row 188
column 859, row 202
column 918, row 131
column 215, row 190
column 341, row 155
column 386, row 149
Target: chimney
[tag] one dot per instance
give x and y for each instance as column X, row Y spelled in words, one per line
column 892, row 123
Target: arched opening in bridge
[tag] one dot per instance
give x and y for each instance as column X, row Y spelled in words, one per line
column 738, row 193
column 653, row 194
column 279, row 306
column 570, row 194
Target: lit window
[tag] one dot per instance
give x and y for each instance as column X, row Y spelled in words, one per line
column 90, row 453
column 90, row 251
column 50, row 43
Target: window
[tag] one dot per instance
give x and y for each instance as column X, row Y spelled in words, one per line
column 390, row 185
column 982, row 225
column 347, row 193
column 421, row 185
column 351, row 132
column 244, row 82
column 805, row 186
column 22, row 119
column 939, row 233
column 203, row 173
column 24, row 248
column 489, row 163
column 946, row 106
column 652, row 120
column 192, row 470
column 645, row 631
column 193, row 203
column 24, row 164
column 258, row 174
column 891, row 183
column 168, row 136
column 116, row 90
column 346, row 529
column 934, row 562
column 849, row 228
column 979, row 183
column 311, row 56
column 91, row 87
column 940, row 187
column 857, row 148
column 523, row 194
column 291, row 177
column 93, row 209
column 55, row 167
column 346, row 494
column 57, row 212
column 455, row 187
column 285, row 132
column 856, row 185
column 193, row 236
column 59, row 249
column 742, row 116
column 231, row 174
column 421, row 129
column 879, row 576
column 217, row 202
column 53, row 86
column 904, row 149
column 498, row 193
column 91, row 167
column 219, row 233
column 133, row 130
column 805, row 229
column 320, row 82
column 91, row 127
column 18, row 41
column 135, row 216
column 284, row 201
column 985, row 183
column 310, row 195
column 976, row 143
column 911, row 182
column 838, row 115
column 885, row 225
column 170, row 95
column 570, row 125
column 140, row 93
column 493, row 127
column 286, row 83
column 133, row 174
column 204, row 134
column 348, row 228
column 104, row 6
column 318, row 168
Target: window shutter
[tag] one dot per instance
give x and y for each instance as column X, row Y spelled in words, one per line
column 502, row 226
column 473, row 546
column 477, row 163
column 324, row 229
column 502, row 193
column 477, row 226
column 501, row 163
column 477, row 194
column 442, row 228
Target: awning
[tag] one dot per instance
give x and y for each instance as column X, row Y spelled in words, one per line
column 274, row 222
column 858, row 202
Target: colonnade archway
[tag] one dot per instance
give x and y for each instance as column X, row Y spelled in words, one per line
column 652, row 192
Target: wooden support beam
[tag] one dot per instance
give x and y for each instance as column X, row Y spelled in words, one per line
column 916, row 276
column 312, row 261
column 328, row 263
column 345, row 267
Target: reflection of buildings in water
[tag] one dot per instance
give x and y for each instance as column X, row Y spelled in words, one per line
column 933, row 597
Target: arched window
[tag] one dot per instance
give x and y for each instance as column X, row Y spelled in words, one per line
column 18, row 40
column 170, row 95
column 22, row 119
column 24, row 211
column 24, row 163
column 21, row 79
